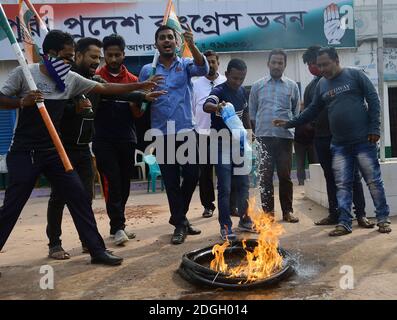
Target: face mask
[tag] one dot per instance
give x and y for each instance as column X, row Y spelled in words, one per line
column 314, row 70
column 58, row 69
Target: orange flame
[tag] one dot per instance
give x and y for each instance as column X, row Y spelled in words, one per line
column 264, row 260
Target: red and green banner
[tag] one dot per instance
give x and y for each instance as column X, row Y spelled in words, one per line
column 223, row 26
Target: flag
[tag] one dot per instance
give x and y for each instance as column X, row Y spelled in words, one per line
column 5, row 30
column 32, row 41
column 171, row 20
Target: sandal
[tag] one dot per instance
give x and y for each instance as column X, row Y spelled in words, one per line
column 339, row 231
column 289, row 217
column 327, row 221
column 58, row 253
column 384, row 227
column 364, row 222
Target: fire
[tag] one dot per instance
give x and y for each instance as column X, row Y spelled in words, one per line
column 264, row 260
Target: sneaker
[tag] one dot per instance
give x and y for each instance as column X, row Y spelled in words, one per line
column 227, row 234
column 120, row 237
column 129, row 234
column 246, row 226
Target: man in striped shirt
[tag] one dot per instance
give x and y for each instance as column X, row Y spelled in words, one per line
column 275, row 97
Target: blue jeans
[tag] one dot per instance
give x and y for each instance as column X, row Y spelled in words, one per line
column 323, row 148
column 345, row 158
column 224, row 173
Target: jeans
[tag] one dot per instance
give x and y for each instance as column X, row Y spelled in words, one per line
column 224, row 172
column 323, row 148
column 345, row 158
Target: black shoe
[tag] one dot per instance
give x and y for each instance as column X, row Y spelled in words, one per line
column 190, row 230
column 208, row 213
column 234, row 212
column 84, row 249
column 363, row 222
column 179, row 235
column 107, row 258
column 327, row 221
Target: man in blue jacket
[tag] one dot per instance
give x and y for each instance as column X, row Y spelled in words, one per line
column 355, row 128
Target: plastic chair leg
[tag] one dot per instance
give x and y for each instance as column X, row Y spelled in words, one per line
column 154, row 184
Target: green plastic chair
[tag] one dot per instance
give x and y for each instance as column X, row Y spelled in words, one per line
column 154, row 172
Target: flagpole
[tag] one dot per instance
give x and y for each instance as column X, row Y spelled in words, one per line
column 32, row 86
column 381, row 79
column 157, row 53
column 38, row 18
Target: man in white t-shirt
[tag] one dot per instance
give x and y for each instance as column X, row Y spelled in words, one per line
column 201, row 89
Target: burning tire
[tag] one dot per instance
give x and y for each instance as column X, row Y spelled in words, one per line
column 195, row 267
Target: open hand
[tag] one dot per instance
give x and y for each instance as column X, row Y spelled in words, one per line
column 153, row 95
column 279, row 123
column 157, row 78
column 188, row 36
column 333, row 28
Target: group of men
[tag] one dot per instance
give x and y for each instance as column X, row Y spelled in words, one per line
column 101, row 106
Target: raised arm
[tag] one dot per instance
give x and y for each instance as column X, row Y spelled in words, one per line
column 113, row 89
column 198, row 58
column 309, row 114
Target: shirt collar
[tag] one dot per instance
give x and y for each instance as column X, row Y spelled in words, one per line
column 177, row 59
column 269, row 78
column 216, row 81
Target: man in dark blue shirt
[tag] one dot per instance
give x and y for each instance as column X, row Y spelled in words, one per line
column 232, row 92
column 355, row 129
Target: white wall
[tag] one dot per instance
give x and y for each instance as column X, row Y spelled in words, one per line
column 5, row 68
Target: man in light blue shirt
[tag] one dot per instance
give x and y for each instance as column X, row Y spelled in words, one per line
column 275, row 97
column 172, row 113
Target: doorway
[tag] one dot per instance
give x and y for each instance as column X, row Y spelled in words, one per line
column 393, row 120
